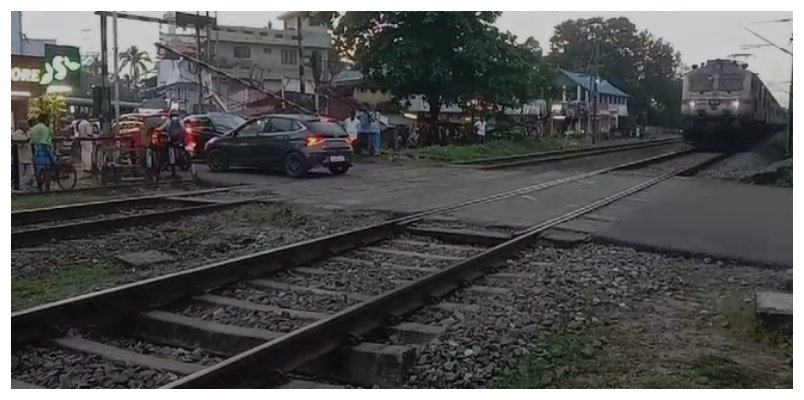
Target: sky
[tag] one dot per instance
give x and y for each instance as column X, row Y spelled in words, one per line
column 699, row 36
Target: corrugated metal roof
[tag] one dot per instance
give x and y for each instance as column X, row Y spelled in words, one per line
column 603, row 87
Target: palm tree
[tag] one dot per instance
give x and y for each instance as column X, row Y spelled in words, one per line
column 93, row 65
column 136, row 61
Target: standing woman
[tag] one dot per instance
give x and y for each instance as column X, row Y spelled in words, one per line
column 42, row 142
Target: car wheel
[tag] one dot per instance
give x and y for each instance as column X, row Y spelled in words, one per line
column 217, row 162
column 294, row 165
column 339, row 169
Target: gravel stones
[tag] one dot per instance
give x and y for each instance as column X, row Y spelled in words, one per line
column 355, row 279
column 194, row 356
column 287, row 298
column 192, row 241
column 244, row 318
column 582, row 289
column 63, row 369
column 143, row 258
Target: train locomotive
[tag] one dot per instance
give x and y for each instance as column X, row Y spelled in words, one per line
column 726, row 106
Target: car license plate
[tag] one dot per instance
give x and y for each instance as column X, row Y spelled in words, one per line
column 333, row 159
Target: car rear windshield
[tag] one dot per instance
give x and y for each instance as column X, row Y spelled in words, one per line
column 330, row 129
column 225, row 123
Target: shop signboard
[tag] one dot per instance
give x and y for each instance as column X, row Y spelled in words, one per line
column 25, row 75
column 62, row 66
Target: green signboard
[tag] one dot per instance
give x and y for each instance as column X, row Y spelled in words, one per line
column 62, row 66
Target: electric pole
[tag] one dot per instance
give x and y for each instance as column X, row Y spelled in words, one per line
column 198, row 71
column 116, row 77
column 595, row 90
column 300, row 43
column 790, row 109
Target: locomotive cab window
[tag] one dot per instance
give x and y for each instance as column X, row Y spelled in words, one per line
column 702, row 83
column 730, row 83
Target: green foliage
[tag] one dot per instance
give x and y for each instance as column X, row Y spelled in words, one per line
column 448, row 57
column 645, row 67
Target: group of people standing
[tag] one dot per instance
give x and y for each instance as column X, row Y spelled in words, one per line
column 36, row 151
column 34, row 140
column 365, row 126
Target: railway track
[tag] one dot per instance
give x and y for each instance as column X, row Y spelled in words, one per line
column 37, row 226
column 566, row 154
column 255, row 320
column 116, row 188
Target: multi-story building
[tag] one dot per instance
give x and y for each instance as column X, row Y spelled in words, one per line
column 265, row 56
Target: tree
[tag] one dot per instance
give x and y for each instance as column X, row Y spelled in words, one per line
column 511, row 74
column 93, row 66
column 439, row 55
column 645, row 67
column 136, row 61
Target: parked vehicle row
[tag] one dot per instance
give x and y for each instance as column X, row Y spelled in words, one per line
column 290, row 143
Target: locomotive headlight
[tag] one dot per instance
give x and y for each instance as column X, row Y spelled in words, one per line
column 735, row 104
column 692, row 103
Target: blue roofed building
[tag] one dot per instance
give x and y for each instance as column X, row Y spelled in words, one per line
column 571, row 110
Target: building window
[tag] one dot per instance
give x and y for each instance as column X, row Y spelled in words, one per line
column 289, row 57
column 242, row 52
column 266, row 50
column 278, row 36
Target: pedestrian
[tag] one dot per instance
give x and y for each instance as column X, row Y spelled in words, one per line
column 83, row 131
column 24, row 155
column 376, row 132
column 366, row 119
column 352, row 125
column 480, row 130
column 42, row 140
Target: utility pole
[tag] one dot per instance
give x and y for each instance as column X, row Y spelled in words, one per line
column 115, row 54
column 790, row 110
column 300, row 43
column 595, row 90
column 105, row 99
column 198, row 78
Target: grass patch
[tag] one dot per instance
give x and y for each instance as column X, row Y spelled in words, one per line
column 496, row 148
column 65, row 282
column 679, row 348
column 724, row 373
column 560, row 357
column 50, row 200
column 259, row 214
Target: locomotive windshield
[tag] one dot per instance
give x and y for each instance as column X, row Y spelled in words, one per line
column 702, row 83
column 730, row 83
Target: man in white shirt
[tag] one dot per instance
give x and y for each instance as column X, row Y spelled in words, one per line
column 25, row 155
column 480, row 130
column 83, row 130
column 352, row 125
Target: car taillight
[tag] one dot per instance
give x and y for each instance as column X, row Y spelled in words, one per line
column 313, row 141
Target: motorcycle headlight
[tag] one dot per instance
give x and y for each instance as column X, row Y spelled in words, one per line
column 735, row 104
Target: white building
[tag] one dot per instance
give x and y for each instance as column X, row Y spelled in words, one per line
column 21, row 45
column 265, row 56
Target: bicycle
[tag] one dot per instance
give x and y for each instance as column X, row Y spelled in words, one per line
column 61, row 171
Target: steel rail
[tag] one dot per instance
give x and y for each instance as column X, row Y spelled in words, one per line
column 277, row 357
column 70, row 211
column 108, row 188
column 35, row 236
column 579, row 151
column 110, row 305
column 564, row 157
